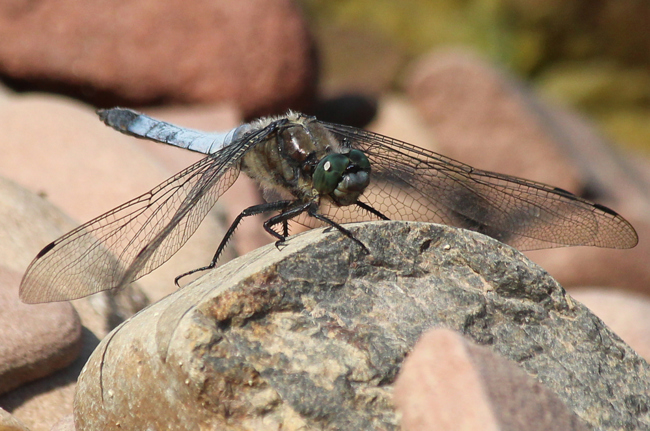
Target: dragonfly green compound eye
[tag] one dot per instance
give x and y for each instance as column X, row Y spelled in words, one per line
column 329, row 172
column 358, row 158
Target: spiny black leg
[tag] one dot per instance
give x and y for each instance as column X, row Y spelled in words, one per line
column 371, row 210
column 312, row 211
column 250, row 211
column 298, row 208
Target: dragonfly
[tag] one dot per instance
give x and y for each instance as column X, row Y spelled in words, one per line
column 319, row 174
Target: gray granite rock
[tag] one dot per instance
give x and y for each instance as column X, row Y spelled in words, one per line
column 313, row 336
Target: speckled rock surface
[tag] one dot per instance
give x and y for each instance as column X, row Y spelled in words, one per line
column 312, row 336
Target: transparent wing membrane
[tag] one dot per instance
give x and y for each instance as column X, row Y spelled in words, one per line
column 135, row 238
column 411, row 183
column 406, row 183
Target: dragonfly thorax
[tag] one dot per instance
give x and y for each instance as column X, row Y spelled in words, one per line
column 305, row 160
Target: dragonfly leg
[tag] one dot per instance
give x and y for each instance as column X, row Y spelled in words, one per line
column 313, row 211
column 371, row 210
column 250, row 211
column 287, row 214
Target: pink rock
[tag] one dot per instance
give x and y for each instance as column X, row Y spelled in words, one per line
column 43, row 403
column 35, row 340
column 258, row 54
column 87, row 168
column 398, row 118
column 65, row 424
column 61, row 150
column 447, row 383
column 621, row 185
column 8, row 422
column 480, row 116
column 28, row 222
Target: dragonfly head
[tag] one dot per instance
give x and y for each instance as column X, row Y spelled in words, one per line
column 342, row 176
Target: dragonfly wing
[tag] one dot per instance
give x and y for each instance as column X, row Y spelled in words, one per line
column 135, row 238
column 411, row 183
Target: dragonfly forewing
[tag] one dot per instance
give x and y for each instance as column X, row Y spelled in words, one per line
column 327, row 173
column 135, row 238
column 411, row 183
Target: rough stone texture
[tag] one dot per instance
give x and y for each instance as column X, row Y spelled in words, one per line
column 626, row 313
column 257, row 54
column 86, row 168
column 313, row 336
column 490, row 120
column 34, row 341
column 444, row 374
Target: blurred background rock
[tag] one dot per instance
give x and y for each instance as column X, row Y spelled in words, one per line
column 591, row 55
